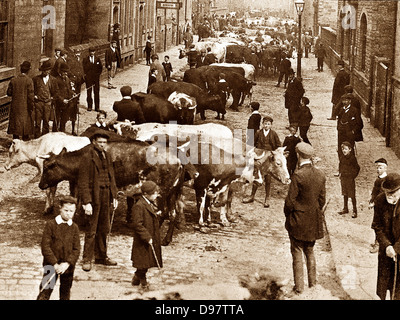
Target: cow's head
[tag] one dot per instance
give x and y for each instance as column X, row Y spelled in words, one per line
column 51, row 172
column 185, row 105
column 16, row 155
column 274, row 163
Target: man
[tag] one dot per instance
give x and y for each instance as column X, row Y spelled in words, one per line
column 98, row 192
column 192, row 56
column 386, row 224
column 111, row 61
column 188, row 37
column 76, row 74
column 92, row 68
column 293, row 95
column 210, row 57
column 201, row 59
column 62, row 59
column 304, row 216
column 349, row 123
column 63, row 99
column 115, row 37
column 44, row 87
column 127, row 109
column 342, row 79
column 147, row 50
column 307, row 43
column 320, row 54
column 156, row 64
column 284, row 68
column 20, row 89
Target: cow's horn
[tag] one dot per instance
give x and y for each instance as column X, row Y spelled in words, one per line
column 193, row 107
column 260, row 157
column 43, row 156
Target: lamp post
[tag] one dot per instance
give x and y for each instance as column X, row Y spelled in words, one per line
column 299, row 8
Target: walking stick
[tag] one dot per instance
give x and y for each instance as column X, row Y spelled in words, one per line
column 155, row 256
column 395, row 277
column 48, row 281
column 111, row 223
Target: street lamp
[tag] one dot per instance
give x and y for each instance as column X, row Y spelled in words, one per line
column 299, row 8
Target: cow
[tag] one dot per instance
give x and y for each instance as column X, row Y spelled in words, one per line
column 157, row 109
column 217, row 48
column 248, row 69
column 28, row 151
column 133, row 163
column 219, row 167
column 204, row 100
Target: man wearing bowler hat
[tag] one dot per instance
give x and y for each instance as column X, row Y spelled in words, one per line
column 304, row 217
column 98, row 193
column 92, row 68
column 342, row 79
column 386, row 224
column 44, row 86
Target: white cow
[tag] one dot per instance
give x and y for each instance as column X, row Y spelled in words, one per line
column 249, row 69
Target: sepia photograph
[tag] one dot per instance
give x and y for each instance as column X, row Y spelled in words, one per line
column 201, row 155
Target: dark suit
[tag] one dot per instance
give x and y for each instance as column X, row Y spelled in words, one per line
column 349, row 126
column 293, row 95
column 201, row 61
column 210, row 58
column 63, row 111
column 304, row 220
column 127, row 109
column 92, row 76
column 284, row 67
column 96, row 185
column 342, row 79
column 386, row 224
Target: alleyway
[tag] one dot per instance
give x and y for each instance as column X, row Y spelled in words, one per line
column 218, row 263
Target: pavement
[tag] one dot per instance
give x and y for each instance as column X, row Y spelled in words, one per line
column 343, row 254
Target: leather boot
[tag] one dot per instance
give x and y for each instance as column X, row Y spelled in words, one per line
column 253, row 193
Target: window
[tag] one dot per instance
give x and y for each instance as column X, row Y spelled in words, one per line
column 3, row 31
column 363, row 42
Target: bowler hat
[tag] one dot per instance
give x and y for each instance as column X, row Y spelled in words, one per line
column 381, row 160
column 340, row 63
column 291, row 71
column 92, row 49
column 64, row 67
column 100, row 133
column 391, row 183
column 126, row 91
column 305, row 149
column 149, row 187
column 26, row 65
column 46, row 65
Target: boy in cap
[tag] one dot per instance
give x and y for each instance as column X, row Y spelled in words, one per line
column 266, row 139
column 304, row 118
column 152, row 78
column 290, row 143
column 303, row 210
column 386, row 224
column 126, row 109
column 381, row 169
column 60, row 248
column 146, row 248
column 348, row 171
column 253, row 124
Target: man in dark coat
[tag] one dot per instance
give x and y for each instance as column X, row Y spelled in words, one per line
column 210, row 57
column 342, row 79
column 44, row 86
column 293, row 95
column 92, row 67
column 386, row 224
column 147, row 50
column 112, row 59
column 126, row 109
column 146, row 248
column 303, row 212
column 201, row 59
column 284, row 68
column 320, row 54
column 20, row 89
column 76, row 74
column 98, row 193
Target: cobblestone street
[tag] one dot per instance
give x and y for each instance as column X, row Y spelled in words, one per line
column 219, row 262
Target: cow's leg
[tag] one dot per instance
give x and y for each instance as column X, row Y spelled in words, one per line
column 172, row 223
column 49, row 205
column 208, row 209
column 223, row 215
column 202, row 207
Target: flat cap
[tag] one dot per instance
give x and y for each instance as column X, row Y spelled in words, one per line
column 305, row 149
column 268, row 118
column 391, row 183
column 67, row 199
column 381, row 160
column 100, row 133
column 347, row 96
column 26, row 65
column 149, row 187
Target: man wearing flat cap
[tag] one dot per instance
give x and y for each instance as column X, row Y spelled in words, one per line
column 98, row 194
column 386, row 224
column 304, row 217
column 92, row 68
column 342, row 79
column 20, row 89
column 127, row 109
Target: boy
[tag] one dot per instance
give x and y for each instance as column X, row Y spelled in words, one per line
column 146, row 248
column 381, row 168
column 60, row 249
column 152, row 78
column 266, row 139
column 304, row 119
column 348, row 170
column 253, row 124
column 101, row 121
column 167, row 67
column 290, row 143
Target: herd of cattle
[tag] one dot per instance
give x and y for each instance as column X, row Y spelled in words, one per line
column 204, row 157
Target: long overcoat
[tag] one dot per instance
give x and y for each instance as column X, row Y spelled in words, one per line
column 386, row 224
column 342, row 79
column 20, row 121
column 304, row 202
column 145, row 226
